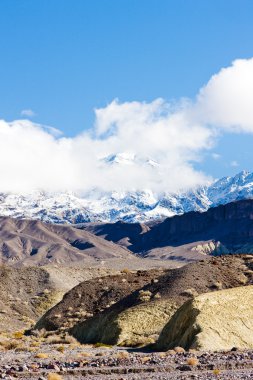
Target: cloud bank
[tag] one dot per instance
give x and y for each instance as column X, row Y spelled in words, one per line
column 176, row 136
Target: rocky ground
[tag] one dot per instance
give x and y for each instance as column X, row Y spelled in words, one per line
column 73, row 361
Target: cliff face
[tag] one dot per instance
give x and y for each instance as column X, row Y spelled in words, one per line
column 230, row 224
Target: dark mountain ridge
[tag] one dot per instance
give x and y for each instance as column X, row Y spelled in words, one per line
column 229, row 227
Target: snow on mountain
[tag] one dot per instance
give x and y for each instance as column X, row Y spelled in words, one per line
column 129, row 159
column 135, row 206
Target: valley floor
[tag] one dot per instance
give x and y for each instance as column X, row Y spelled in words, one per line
column 73, row 362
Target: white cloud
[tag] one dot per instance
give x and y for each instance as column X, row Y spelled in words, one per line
column 226, row 100
column 34, row 156
column 216, row 156
column 27, row 113
column 31, row 157
column 234, row 164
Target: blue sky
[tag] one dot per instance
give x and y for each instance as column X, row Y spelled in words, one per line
column 64, row 58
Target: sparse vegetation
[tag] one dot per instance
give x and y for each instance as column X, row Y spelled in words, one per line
column 179, row 350
column 122, row 355
column 171, row 352
column 18, row 334
column 126, row 271
column 144, row 295
column 60, row 349
column 54, row 376
column 85, row 354
column 99, row 344
column 41, row 355
column 192, row 361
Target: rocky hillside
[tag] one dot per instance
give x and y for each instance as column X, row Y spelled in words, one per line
column 120, row 311
column 27, row 293
column 93, row 296
column 218, row 321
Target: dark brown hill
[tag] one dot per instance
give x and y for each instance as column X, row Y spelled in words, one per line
column 93, row 296
column 223, row 229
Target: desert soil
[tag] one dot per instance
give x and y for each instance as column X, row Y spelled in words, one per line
column 114, row 363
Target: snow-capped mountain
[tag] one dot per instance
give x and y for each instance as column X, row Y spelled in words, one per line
column 128, row 206
column 129, row 159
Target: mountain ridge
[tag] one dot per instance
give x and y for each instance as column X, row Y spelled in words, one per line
column 131, row 206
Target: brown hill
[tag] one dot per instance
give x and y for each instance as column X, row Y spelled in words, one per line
column 27, row 293
column 93, row 296
column 27, row 242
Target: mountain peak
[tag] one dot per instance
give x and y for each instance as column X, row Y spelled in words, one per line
column 120, row 158
column 131, row 206
column 128, row 158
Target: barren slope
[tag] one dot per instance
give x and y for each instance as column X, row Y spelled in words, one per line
column 27, row 293
column 136, row 316
column 27, row 242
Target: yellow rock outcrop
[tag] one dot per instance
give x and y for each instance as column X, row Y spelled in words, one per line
column 212, row 321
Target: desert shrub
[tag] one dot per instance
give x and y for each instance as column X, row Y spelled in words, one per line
column 9, row 344
column 35, row 344
column 54, row 339
column 192, row 361
column 21, row 348
column 171, row 352
column 60, row 349
column 138, row 341
column 216, row 371
column 41, row 355
column 61, row 339
column 122, row 355
column 18, row 334
column 145, row 359
column 99, row 344
column 144, row 295
column 54, row 376
column 179, row 350
column 69, row 339
column 126, row 271
column 157, row 296
column 85, row 354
